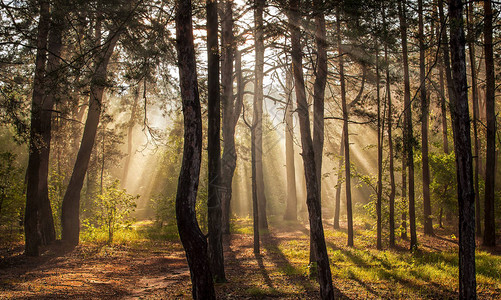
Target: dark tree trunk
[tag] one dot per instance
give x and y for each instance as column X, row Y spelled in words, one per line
column 428, row 225
column 462, row 147
column 32, row 215
column 408, row 139
column 191, row 236
column 443, row 109
column 318, row 101
column 474, row 99
column 347, row 167
column 490, row 113
column 258, row 109
column 255, row 202
column 380, row 130
column 312, row 187
column 70, row 218
column 291, row 208
column 213, row 146
column 390, row 141
column 403, row 234
column 231, row 110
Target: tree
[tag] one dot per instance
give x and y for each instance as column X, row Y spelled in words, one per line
column 232, row 108
column 408, row 136
column 71, row 202
column 312, row 186
column 191, row 236
column 213, row 146
column 490, row 113
column 346, row 138
column 34, row 206
column 291, row 204
column 462, row 147
column 257, row 133
column 428, row 225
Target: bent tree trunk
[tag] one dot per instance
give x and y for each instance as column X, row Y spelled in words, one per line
column 71, row 202
column 312, row 190
column 462, row 147
column 191, row 236
column 32, row 213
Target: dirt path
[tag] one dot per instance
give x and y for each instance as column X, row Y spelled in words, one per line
column 158, row 270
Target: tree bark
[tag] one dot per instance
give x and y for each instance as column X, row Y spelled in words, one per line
column 380, row 130
column 339, row 184
column 191, row 236
column 462, row 147
column 427, row 215
column 231, row 110
column 347, row 166
column 70, row 218
column 32, row 215
column 312, row 187
column 291, row 205
column 390, row 140
column 213, row 146
column 474, row 99
column 258, row 109
column 408, row 139
column 490, row 112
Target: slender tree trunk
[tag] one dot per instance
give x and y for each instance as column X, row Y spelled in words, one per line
column 258, row 109
column 71, row 203
column 490, row 112
column 390, row 140
column 380, row 130
column 255, row 202
column 291, row 208
column 339, row 184
column 213, row 146
column 443, row 109
column 191, row 236
column 347, row 167
column 428, row 225
column 462, row 147
column 313, row 192
column 231, row 110
column 474, row 99
column 32, row 215
column 403, row 234
column 318, row 101
column 130, row 127
column 408, row 120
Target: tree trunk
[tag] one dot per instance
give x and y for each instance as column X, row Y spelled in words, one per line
column 258, row 109
column 130, row 127
column 408, row 120
column 474, row 99
column 390, row 141
column 70, row 218
column 462, row 147
column 291, row 208
column 191, row 236
column 339, row 184
column 427, row 215
column 380, row 130
column 32, row 215
column 313, row 192
column 213, row 146
column 403, row 234
column 346, row 141
column 231, row 110
column 490, row 112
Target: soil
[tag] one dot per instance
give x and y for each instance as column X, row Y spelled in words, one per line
column 158, row 270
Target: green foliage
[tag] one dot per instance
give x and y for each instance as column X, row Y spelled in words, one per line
column 56, row 194
column 443, row 183
column 112, row 211
column 11, row 193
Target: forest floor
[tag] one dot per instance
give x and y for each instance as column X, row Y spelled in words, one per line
column 147, row 268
